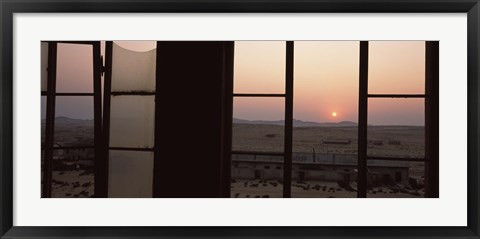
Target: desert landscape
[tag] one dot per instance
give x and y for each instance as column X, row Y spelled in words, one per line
column 266, row 137
column 314, row 189
column 323, row 139
column 73, row 169
column 72, row 174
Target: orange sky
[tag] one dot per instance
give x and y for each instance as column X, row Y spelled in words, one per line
column 326, row 80
column 325, row 76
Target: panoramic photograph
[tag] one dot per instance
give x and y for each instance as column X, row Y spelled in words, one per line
column 239, row 119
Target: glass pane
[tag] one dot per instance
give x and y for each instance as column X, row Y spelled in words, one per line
column 73, row 121
column 44, row 64
column 139, row 45
column 74, row 68
column 130, row 174
column 326, row 112
column 396, row 67
column 133, row 70
column 395, row 179
column 256, row 176
column 396, row 127
column 132, row 121
column 258, row 124
column 324, row 175
column 259, row 67
column 73, row 173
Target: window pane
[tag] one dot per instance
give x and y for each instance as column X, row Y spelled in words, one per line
column 73, row 173
column 325, row 128
column 324, row 175
column 132, row 121
column 395, row 179
column 74, row 68
column 133, row 70
column 258, row 124
column 259, row 67
column 73, row 121
column 396, row 67
column 130, row 174
column 396, row 128
column 139, row 45
column 257, row 176
column 44, row 65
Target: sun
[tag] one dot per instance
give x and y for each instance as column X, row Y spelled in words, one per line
column 334, row 114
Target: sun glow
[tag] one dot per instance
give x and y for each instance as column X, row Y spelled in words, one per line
column 334, row 114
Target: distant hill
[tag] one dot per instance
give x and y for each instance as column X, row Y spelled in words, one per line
column 296, row 123
column 63, row 120
column 67, row 120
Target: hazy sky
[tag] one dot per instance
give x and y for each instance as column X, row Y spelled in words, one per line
column 326, row 80
column 325, row 76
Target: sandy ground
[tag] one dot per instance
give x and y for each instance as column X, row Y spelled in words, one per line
column 311, row 189
column 268, row 138
column 72, row 183
column 79, row 183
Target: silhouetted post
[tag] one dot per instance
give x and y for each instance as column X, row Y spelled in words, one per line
column 227, row 101
column 431, row 119
column 100, row 169
column 101, row 179
column 287, row 174
column 50, row 120
column 362, row 121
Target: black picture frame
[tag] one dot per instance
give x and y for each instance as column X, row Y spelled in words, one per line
column 9, row 7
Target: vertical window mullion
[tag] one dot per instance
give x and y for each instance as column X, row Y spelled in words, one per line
column 50, row 118
column 228, row 63
column 156, row 192
column 102, row 189
column 287, row 173
column 431, row 119
column 97, row 116
column 362, row 121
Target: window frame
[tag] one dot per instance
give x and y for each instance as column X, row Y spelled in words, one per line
column 51, row 94
column 431, row 120
column 108, row 94
column 288, row 119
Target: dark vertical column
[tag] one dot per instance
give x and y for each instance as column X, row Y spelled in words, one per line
column 227, row 117
column 97, row 115
column 189, row 132
column 362, row 121
column 101, row 189
column 287, row 173
column 157, row 168
column 431, row 119
column 50, row 119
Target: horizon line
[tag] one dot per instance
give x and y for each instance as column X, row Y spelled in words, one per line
column 326, row 122
column 333, row 122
